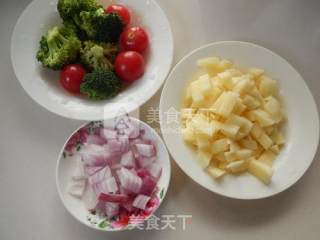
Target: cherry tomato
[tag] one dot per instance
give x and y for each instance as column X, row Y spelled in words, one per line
column 129, row 66
column 134, row 39
column 71, row 77
column 121, row 10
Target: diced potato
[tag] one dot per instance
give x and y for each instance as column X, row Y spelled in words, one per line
column 210, row 64
column 225, row 104
column 263, row 118
column 237, row 166
column 249, row 143
column 215, row 172
column 260, row 170
column 187, row 113
column 202, row 126
column 275, row 149
column 204, row 158
column 204, row 84
column 244, row 153
column 230, row 156
column 256, row 131
column 188, row 135
column 230, row 130
column 197, row 97
column 265, row 141
column 225, row 79
column 256, row 94
column 256, row 73
column 232, row 118
column 234, row 72
column 234, row 146
column 213, row 96
column 267, row 157
column 278, row 138
column 219, row 146
column 202, row 142
column 220, row 157
column 225, row 64
column 239, row 108
column 244, row 85
column 244, row 124
column 251, row 102
column 268, row 87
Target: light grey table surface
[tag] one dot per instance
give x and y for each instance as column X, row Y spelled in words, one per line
column 31, row 137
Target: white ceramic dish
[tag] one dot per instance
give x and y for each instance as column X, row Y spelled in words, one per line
column 43, row 86
column 66, row 165
column 302, row 128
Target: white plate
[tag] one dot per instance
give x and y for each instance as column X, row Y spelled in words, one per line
column 302, row 128
column 43, row 86
column 66, row 165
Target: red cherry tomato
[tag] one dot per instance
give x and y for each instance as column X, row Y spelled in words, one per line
column 134, row 39
column 71, row 77
column 129, row 66
column 121, row 10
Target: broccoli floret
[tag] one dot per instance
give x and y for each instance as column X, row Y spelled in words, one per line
column 58, row 47
column 68, row 9
column 98, row 55
column 101, row 85
column 100, row 26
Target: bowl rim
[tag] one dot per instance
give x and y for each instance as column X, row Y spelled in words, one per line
column 313, row 102
column 60, row 192
column 131, row 108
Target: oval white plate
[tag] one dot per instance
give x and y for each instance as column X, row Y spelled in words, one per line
column 43, row 85
column 66, row 165
column 302, row 128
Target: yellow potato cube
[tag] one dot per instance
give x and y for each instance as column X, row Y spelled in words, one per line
column 265, row 141
column 268, row 87
column 263, row 118
column 225, row 104
column 244, row 85
column 239, row 108
column 278, row 138
column 220, row 157
column 251, row 102
column 237, row 166
column 260, row 170
column 225, row 80
column 234, row 72
column 230, row 156
column 275, row 149
column 256, row 73
column 244, row 124
column 256, row 94
column 202, row 142
column 267, row 157
column 204, row 158
column 204, row 84
column 230, row 130
column 225, row 64
column 272, row 106
column 215, row 172
column 187, row 113
column 197, row 97
column 223, row 165
column 210, row 62
column 219, row 146
column 244, row 153
column 234, row 146
column 256, row 131
column 188, row 135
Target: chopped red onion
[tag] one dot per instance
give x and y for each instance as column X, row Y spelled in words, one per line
column 111, row 209
column 127, row 159
column 108, row 134
column 146, row 150
column 148, row 186
column 155, row 170
column 141, row 201
column 100, row 176
column 116, row 198
column 95, row 139
column 79, row 173
column 129, row 180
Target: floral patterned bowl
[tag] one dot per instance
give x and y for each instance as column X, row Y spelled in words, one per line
column 66, row 164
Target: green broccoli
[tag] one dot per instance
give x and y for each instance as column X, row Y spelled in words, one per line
column 58, row 47
column 101, row 85
column 100, row 26
column 98, row 55
column 69, row 9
